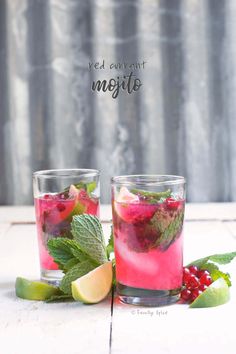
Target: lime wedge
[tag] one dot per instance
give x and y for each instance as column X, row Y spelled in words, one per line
column 216, row 294
column 94, row 286
column 34, row 290
column 126, row 196
column 78, row 210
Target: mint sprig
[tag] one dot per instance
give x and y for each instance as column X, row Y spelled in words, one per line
column 87, row 232
column 78, row 256
column 60, row 298
column 155, row 195
column 63, row 251
column 211, row 263
column 222, row 258
column 152, row 197
column 88, row 187
column 171, row 232
column 110, row 246
column 76, row 272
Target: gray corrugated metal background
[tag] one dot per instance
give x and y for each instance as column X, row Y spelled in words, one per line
column 181, row 121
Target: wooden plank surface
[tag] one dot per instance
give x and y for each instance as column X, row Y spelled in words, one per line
column 231, row 226
column 29, row 327
column 177, row 329
column 3, row 229
column 34, row 327
column 210, row 211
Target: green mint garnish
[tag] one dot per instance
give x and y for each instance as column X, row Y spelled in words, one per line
column 63, row 251
column 78, row 256
column 223, row 258
column 211, row 263
column 88, row 187
column 60, row 298
column 110, row 246
column 167, row 227
column 87, row 232
column 74, row 273
column 152, row 197
column 216, row 274
column 170, row 232
column 110, row 255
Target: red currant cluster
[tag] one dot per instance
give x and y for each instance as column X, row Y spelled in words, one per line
column 195, row 281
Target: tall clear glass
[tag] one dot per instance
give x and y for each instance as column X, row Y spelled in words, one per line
column 58, row 196
column 148, row 214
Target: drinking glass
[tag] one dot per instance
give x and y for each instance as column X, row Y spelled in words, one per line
column 148, row 214
column 58, row 196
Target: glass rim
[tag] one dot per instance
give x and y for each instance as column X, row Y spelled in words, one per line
column 66, row 173
column 150, row 180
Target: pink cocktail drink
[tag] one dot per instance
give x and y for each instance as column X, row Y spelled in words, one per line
column 55, row 210
column 54, row 214
column 148, row 241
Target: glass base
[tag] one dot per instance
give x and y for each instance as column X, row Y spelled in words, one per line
column 51, row 276
column 145, row 297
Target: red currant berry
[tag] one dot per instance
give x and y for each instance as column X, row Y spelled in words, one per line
column 46, row 196
column 186, row 275
column 202, row 272
column 185, row 294
column 193, row 282
column 193, row 269
column 172, row 203
column 61, row 207
column 205, row 280
column 195, row 293
column 202, row 287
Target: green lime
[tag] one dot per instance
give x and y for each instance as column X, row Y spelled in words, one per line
column 34, row 290
column 216, row 294
column 94, row 286
column 78, row 210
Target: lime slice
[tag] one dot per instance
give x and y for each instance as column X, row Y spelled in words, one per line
column 125, row 196
column 94, row 286
column 34, row 290
column 216, row 294
column 78, row 210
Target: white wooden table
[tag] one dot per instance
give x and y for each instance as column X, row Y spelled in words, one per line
column 31, row 327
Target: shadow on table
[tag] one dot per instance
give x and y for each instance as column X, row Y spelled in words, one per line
column 7, row 289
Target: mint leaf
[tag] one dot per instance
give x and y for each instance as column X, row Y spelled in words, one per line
column 156, row 195
column 216, row 274
column 71, row 263
column 167, row 227
column 209, row 266
column 80, row 185
column 87, row 231
column 110, row 246
column 222, row 258
column 210, row 263
column 74, row 273
column 171, row 232
column 80, row 255
column 59, row 298
column 90, row 187
column 61, row 249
